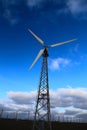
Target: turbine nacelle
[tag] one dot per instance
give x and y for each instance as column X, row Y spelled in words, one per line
column 44, row 51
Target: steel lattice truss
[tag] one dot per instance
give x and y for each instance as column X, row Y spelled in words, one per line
column 42, row 112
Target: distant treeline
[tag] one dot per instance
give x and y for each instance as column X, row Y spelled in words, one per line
column 26, row 115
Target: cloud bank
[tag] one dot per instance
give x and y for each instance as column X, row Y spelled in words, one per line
column 76, row 97
column 71, row 102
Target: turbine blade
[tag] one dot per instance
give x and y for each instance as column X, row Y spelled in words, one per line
column 60, row 43
column 37, row 57
column 36, row 37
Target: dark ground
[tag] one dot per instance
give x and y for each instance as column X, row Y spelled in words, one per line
column 12, row 124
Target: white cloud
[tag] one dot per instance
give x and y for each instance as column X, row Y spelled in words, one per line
column 22, row 97
column 77, row 6
column 71, row 110
column 72, row 100
column 77, row 113
column 58, row 63
column 12, row 110
column 72, row 97
column 76, row 97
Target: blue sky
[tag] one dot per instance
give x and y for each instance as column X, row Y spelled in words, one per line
column 53, row 21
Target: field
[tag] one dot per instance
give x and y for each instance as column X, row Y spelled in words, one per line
column 12, row 124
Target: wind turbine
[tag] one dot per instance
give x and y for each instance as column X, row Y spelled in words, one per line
column 45, row 47
column 42, row 111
